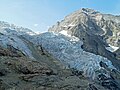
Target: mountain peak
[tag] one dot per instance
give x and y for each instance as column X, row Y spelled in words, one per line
column 88, row 10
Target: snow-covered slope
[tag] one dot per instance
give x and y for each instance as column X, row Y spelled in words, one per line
column 10, row 29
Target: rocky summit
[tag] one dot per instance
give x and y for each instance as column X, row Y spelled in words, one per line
column 81, row 52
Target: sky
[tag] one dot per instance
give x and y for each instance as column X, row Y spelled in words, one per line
column 39, row 15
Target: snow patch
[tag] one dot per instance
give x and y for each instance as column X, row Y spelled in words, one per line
column 64, row 32
column 31, row 33
column 72, row 25
column 112, row 48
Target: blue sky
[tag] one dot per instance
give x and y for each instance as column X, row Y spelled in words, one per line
column 38, row 15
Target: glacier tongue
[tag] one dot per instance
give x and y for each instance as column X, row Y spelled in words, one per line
column 68, row 50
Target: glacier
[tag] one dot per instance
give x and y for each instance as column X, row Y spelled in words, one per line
column 68, row 50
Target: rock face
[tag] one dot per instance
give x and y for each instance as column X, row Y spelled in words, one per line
column 96, row 30
column 5, row 52
column 79, row 53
